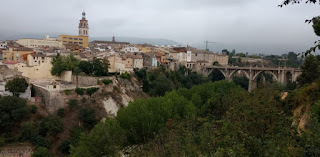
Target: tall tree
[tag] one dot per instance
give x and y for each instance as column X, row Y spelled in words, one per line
column 17, row 86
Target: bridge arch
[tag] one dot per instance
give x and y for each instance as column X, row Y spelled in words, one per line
column 245, row 72
column 266, row 71
column 223, row 73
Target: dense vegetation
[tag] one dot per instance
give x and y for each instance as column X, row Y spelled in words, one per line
column 212, row 119
column 96, row 67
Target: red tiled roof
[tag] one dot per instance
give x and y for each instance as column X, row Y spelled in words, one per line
column 10, row 62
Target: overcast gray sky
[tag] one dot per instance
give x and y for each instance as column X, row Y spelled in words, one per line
column 246, row 25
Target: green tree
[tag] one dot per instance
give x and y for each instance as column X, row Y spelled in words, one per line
column 88, row 117
column 63, row 63
column 310, row 70
column 77, row 71
column 92, row 90
column 51, row 125
column 42, row 152
column 17, row 86
column 27, row 132
column 12, row 110
column 105, row 139
column 64, row 147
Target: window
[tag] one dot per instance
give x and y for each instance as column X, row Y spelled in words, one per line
column 70, row 38
column 64, row 37
column 80, row 39
column 76, row 38
column 80, row 42
column 54, row 86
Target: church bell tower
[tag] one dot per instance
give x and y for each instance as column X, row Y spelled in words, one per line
column 83, row 26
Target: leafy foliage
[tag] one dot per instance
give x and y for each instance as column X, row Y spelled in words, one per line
column 125, row 75
column 51, row 125
column 88, row 117
column 106, row 81
column 105, row 139
column 27, row 132
column 80, row 91
column 73, row 103
column 96, row 67
column 63, row 63
column 310, row 70
column 42, row 152
column 12, row 111
column 92, row 90
column 17, row 86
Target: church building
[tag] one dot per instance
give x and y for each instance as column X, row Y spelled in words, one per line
column 82, row 39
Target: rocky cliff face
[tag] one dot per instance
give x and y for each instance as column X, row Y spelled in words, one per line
column 118, row 94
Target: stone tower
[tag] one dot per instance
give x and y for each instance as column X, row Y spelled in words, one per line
column 83, row 26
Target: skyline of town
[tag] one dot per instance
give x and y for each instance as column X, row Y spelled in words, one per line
column 231, row 26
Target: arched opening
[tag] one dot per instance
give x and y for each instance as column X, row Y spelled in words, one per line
column 216, row 75
column 265, row 77
column 240, row 78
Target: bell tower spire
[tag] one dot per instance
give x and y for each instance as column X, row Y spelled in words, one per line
column 83, row 26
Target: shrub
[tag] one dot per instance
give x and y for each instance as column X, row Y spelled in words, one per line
column 33, row 109
column 51, row 125
column 83, row 100
column 27, row 132
column 92, row 90
column 42, row 152
column 106, row 81
column 73, row 103
column 76, row 134
column 67, row 92
column 61, row 112
column 125, row 75
column 79, row 91
column 88, row 117
column 12, row 110
column 40, row 141
column 64, row 147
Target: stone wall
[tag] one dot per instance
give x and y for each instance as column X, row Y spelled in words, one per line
column 52, row 99
column 85, row 80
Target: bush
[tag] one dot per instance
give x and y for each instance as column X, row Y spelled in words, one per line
column 64, row 147
column 106, row 81
column 40, row 141
column 88, row 117
column 33, row 109
column 42, row 152
column 51, row 125
column 125, row 75
column 76, row 134
column 12, row 111
column 27, row 132
column 83, row 100
column 73, row 103
column 67, row 92
column 80, row 91
column 61, row 112
column 92, row 90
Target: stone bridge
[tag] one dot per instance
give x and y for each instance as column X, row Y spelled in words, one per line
column 280, row 74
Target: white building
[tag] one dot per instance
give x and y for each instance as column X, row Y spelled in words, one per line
column 3, row 45
column 46, row 42
column 130, row 49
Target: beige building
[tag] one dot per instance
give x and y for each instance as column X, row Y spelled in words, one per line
column 124, row 63
column 46, row 42
column 37, row 67
column 16, row 54
column 203, row 56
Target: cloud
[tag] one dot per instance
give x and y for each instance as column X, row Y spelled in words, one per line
column 229, row 22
